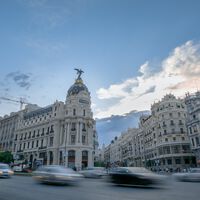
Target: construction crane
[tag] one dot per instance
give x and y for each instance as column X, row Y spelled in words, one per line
column 21, row 101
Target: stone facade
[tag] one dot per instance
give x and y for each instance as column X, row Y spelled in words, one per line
column 193, row 122
column 161, row 142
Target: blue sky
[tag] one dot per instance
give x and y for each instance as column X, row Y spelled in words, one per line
column 132, row 52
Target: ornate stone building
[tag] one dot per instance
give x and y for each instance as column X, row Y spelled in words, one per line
column 166, row 143
column 160, row 143
column 61, row 133
column 193, row 122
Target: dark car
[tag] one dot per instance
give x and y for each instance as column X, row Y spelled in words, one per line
column 135, row 176
column 56, row 175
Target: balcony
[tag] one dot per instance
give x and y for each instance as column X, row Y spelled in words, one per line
column 44, row 147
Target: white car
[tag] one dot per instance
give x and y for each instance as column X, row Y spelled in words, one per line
column 93, row 172
column 5, row 171
column 192, row 175
column 56, row 174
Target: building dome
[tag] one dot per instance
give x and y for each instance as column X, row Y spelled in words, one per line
column 77, row 87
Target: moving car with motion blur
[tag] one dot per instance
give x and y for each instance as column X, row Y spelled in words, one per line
column 135, row 176
column 193, row 175
column 56, row 174
column 93, row 172
column 5, row 171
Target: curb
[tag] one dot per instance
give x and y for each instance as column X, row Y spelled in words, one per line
column 22, row 174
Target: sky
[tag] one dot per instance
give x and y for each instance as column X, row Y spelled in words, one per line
column 133, row 52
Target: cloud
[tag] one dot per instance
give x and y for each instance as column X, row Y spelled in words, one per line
column 21, row 79
column 149, row 90
column 117, row 90
column 179, row 73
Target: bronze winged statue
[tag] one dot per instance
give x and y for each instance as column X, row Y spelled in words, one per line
column 79, row 72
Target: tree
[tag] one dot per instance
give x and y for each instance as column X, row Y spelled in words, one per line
column 6, row 157
column 99, row 164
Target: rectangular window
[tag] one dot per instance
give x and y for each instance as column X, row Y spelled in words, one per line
column 32, row 144
column 84, row 127
column 73, row 128
column 38, row 133
column 41, row 145
column 37, row 143
column 84, row 112
column 169, row 161
column 74, row 112
column 195, row 129
column 83, row 139
column 197, row 141
column 192, row 142
column 47, row 131
column 73, row 139
column 178, row 161
column 51, row 142
column 52, row 129
column 42, row 131
column 190, row 130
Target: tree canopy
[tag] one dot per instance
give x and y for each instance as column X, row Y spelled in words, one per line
column 6, row 157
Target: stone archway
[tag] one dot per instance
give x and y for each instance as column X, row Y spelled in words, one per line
column 50, row 157
column 71, row 158
column 84, row 159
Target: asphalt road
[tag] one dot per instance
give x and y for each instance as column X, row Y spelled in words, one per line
column 24, row 188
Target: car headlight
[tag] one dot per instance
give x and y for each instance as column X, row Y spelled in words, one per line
column 10, row 172
column 1, row 172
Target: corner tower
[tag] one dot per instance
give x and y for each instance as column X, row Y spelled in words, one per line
column 79, row 126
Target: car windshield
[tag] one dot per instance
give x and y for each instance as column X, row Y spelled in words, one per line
column 4, row 167
column 195, row 170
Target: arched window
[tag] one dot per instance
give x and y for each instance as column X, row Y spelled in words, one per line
column 74, row 111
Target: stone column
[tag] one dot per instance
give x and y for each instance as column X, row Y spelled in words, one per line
column 81, row 131
column 77, row 132
column 61, row 135
column 68, row 132
column 48, row 158
column 55, row 157
column 66, row 158
column 56, row 135
column 78, row 159
column 90, row 158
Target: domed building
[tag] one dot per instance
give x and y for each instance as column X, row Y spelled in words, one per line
column 61, row 133
column 79, row 126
